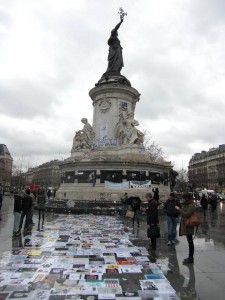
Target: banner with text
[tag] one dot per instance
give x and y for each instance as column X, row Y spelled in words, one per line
column 128, row 185
column 116, row 186
column 140, row 184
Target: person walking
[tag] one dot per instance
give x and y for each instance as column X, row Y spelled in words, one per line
column 172, row 218
column 187, row 210
column 152, row 217
column 136, row 207
column 27, row 204
column 17, row 211
column 204, row 204
column 41, row 200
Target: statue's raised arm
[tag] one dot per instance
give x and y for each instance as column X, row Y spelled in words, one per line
column 117, row 26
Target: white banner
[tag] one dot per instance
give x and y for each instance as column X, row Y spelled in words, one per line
column 116, row 186
column 140, row 184
column 127, row 185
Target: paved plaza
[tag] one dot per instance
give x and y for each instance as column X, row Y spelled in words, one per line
column 103, row 257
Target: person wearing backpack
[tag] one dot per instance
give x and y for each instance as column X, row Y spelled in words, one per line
column 172, row 218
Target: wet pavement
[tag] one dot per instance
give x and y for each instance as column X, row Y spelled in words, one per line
column 103, row 257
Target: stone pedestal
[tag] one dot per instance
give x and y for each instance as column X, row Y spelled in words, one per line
column 109, row 102
column 116, row 153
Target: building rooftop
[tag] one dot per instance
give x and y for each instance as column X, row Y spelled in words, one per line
column 4, row 150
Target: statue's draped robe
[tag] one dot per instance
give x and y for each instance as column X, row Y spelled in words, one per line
column 115, row 57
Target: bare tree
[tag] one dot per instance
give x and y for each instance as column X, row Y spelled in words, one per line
column 19, row 169
column 182, row 184
column 152, row 148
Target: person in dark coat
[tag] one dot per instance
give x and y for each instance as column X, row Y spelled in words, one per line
column 204, row 204
column 152, row 216
column 41, row 200
column 187, row 210
column 17, row 211
column 213, row 202
column 135, row 203
column 27, row 204
column 49, row 193
column 124, row 204
column 156, row 194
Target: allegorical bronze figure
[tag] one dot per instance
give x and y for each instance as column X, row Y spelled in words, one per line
column 115, row 56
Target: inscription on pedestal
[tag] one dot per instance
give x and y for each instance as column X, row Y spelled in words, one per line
column 105, row 143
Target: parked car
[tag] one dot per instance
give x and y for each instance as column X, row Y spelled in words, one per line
column 221, row 196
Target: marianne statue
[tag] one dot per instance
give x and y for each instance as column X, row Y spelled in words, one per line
column 115, row 56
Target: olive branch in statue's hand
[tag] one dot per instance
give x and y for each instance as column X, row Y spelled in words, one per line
column 122, row 13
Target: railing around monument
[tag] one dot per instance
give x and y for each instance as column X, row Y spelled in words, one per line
column 94, row 207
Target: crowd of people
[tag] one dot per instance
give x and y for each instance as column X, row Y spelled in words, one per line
column 176, row 214
column 174, row 211
column 23, row 210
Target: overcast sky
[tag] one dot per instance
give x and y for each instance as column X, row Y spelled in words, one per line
column 52, row 52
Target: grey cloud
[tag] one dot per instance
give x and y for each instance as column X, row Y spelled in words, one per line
column 161, row 57
column 5, row 19
column 27, row 142
column 206, row 15
column 25, row 99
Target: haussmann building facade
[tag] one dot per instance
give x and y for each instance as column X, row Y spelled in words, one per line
column 207, row 169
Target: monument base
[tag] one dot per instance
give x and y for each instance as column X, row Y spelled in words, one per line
column 86, row 179
column 99, row 193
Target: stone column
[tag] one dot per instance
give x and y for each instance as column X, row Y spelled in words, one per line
column 109, row 101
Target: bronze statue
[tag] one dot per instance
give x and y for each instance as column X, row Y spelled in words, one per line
column 115, row 56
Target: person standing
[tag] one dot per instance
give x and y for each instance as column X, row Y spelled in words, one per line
column 204, row 204
column 49, row 193
column 27, row 204
column 187, row 210
column 136, row 207
column 152, row 216
column 17, row 212
column 124, row 204
column 156, row 194
column 172, row 218
column 213, row 202
column 41, row 200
